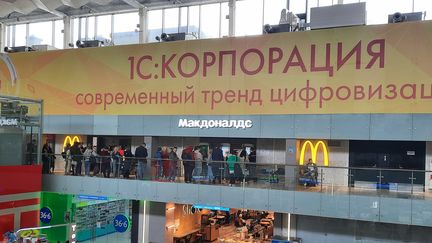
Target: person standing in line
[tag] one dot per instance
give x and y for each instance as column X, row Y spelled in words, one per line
column 173, row 157
column 116, row 157
column 252, row 166
column 188, row 163
column 76, row 158
column 141, row 156
column 198, row 161
column 67, row 158
column 105, row 162
column 218, row 162
column 127, row 163
column 95, row 162
column 166, row 162
column 87, row 154
column 159, row 163
column 232, row 160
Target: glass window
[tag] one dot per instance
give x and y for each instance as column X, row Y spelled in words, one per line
column 378, row 11
column 58, row 34
column 210, row 14
column 424, row 6
column 9, row 35
column 82, row 29
column 20, row 35
column 249, row 17
column 298, row 6
column 103, row 27
column 323, row 3
column 171, row 22
column 154, row 25
column 350, row 1
column 75, row 31
column 224, row 19
column 91, row 28
column 40, row 33
column 311, row 4
column 194, row 20
column 272, row 11
column 183, row 19
column 125, row 29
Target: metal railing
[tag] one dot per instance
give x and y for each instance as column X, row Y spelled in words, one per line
column 326, row 179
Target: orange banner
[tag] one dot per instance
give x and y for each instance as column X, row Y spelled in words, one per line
column 368, row 69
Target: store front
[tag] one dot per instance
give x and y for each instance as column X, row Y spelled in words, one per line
column 189, row 223
column 97, row 218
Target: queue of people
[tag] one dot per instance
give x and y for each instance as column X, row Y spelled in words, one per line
column 112, row 160
column 199, row 163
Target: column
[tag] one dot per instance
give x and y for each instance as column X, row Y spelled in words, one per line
column 282, row 225
column 232, row 17
column 143, row 25
column 150, row 220
column 156, row 222
column 67, row 30
column 291, row 170
column 2, row 37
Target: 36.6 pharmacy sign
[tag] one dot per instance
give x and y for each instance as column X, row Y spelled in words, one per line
column 121, row 223
column 45, row 215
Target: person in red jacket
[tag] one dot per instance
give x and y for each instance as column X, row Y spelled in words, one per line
column 188, row 163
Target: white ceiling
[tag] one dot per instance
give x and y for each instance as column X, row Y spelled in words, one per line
column 12, row 11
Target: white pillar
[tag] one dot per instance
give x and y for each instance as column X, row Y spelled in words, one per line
column 155, row 222
column 232, row 17
column 143, row 232
column 282, row 225
column 2, row 37
column 67, row 32
column 292, row 225
column 143, row 25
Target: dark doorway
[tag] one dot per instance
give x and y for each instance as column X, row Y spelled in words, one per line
column 387, row 155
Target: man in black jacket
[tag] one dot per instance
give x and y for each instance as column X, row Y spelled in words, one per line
column 77, row 157
column 141, row 155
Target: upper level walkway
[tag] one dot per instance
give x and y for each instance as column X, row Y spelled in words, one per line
column 396, row 196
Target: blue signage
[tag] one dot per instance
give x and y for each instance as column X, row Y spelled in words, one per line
column 88, row 197
column 121, row 223
column 211, row 207
column 45, row 215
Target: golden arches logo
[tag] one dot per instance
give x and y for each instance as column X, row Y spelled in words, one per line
column 70, row 140
column 314, row 152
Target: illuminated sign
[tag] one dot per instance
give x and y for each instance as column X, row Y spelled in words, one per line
column 45, row 215
column 8, row 122
column 70, row 140
column 189, row 210
column 88, row 197
column 73, row 233
column 237, row 124
column 211, row 207
column 314, row 152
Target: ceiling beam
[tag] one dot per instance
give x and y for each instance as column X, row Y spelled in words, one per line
column 41, row 5
column 134, row 3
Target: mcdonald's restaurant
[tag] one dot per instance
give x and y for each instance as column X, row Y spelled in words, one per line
column 279, row 160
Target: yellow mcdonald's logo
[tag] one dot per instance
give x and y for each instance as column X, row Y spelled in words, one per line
column 70, row 140
column 314, row 152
